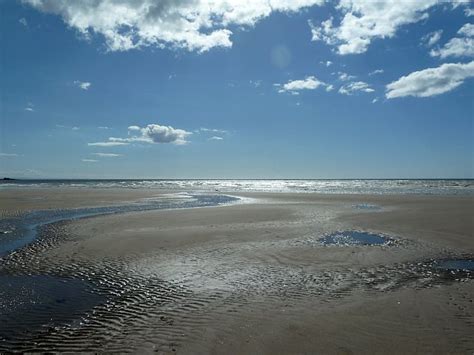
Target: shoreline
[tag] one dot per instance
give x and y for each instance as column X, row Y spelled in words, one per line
column 254, row 277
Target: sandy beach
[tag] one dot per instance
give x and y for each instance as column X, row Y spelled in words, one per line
column 254, row 277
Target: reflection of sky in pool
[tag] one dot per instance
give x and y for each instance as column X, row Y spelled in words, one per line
column 455, row 264
column 34, row 303
column 354, row 238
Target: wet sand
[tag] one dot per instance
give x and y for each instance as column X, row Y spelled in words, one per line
column 24, row 199
column 254, row 277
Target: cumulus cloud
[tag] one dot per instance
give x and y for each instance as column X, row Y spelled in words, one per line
column 469, row 12
column 215, row 138
column 23, row 22
column 84, row 85
column 190, row 24
column 107, row 155
column 155, row 133
column 354, row 87
column 432, row 38
column 363, row 21
column 152, row 133
column 309, row 83
column 462, row 46
column 431, row 81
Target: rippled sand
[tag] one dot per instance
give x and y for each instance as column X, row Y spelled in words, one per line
column 255, row 277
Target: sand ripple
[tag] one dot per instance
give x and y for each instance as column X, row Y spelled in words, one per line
column 158, row 302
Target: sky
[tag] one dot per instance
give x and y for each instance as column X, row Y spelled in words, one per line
column 236, row 89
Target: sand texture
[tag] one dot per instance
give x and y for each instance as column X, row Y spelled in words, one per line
column 254, row 277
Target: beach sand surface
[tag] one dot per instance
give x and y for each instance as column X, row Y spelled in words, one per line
column 254, row 277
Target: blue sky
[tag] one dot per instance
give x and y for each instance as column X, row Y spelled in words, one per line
column 236, row 89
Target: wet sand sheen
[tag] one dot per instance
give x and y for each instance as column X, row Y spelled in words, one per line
column 256, row 278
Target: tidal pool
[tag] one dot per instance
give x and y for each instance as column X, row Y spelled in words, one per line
column 30, row 304
column 347, row 238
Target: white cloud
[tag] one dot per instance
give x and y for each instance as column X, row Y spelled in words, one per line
column 29, row 107
column 212, row 130
column 107, row 155
column 255, row 83
column 89, row 160
column 190, row 24
column 467, row 30
column 326, row 63
column 8, row 155
column 155, row 133
column 375, row 100
column 75, row 128
column 376, row 71
column 363, row 21
column 432, row 38
column 215, row 138
column 103, row 127
column 107, row 144
column 354, row 87
column 458, row 46
column 345, row 76
column 152, row 133
column 84, row 85
column 431, row 81
column 469, row 12
column 23, row 21
column 309, row 83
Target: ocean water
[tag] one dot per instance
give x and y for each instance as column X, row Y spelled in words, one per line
column 345, row 186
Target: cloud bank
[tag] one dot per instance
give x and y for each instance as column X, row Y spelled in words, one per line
column 194, row 25
column 431, row 81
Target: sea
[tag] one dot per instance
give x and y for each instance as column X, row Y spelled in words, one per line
column 325, row 186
